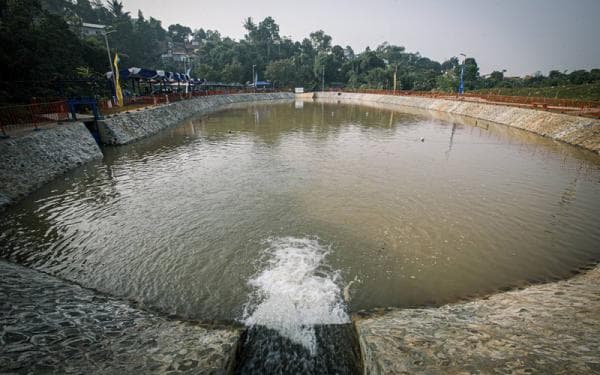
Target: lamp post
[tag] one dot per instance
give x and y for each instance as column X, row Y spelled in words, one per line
column 253, row 79
column 110, row 63
column 323, row 79
column 461, row 87
column 395, row 77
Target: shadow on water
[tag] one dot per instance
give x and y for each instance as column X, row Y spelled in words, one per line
column 264, row 351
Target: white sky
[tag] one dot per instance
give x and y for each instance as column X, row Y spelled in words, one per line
column 522, row 36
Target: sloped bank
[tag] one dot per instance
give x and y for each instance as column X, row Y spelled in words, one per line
column 51, row 326
column 29, row 161
column 550, row 328
column 574, row 130
column 131, row 126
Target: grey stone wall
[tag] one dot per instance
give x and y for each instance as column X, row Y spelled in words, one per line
column 544, row 329
column 48, row 326
column 130, row 126
column 30, row 160
column 578, row 131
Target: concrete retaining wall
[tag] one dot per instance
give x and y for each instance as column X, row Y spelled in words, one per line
column 29, row 161
column 128, row 127
column 578, row 131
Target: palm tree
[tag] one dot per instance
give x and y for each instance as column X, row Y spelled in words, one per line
column 116, row 8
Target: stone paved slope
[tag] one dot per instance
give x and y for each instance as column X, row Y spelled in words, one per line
column 50, row 326
column 545, row 329
column 578, row 131
column 29, row 161
column 131, row 126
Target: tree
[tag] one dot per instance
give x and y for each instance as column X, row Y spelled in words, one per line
column 320, row 41
column 377, row 78
column 233, row 72
column 447, row 82
column 38, row 42
column 471, row 73
column 450, row 64
column 349, row 52
column 282, row 72
column 369, row 60
column 579, row 77
column 179, row 33
column 39, row 47
column 391, row 53
column 116, row 9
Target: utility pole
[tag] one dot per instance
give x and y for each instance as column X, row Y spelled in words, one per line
column 110, row 63
column 461, row 87
column 395, row 77
column 253, row 78
column 323, row 79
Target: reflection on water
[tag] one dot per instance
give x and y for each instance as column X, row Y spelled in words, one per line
column 179, row 221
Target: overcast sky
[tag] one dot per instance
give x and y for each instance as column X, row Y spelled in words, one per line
column 522, row 36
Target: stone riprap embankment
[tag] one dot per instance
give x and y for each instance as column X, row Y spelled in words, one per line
column 578, row 131
column 50, row 326
column 128, row 127
column 545, row 329
column 30, row 160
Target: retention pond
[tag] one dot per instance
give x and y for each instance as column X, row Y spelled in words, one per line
column 294, row 215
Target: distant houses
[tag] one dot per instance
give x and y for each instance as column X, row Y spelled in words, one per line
column 179, row 52
column 91, row 29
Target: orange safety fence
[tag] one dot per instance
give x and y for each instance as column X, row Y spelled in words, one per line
column 166, row 98
column 514, row 100
column 32, row 115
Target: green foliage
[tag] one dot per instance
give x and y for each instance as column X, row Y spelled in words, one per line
column 586, row 91
column 282, row 73
column 38, row 50
column 320, row 41
column 179, row 33
column 447, row 82
column 40, row 41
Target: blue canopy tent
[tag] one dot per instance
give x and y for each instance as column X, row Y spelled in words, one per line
column 168, row 82
column 152, row 77
column 261, row 85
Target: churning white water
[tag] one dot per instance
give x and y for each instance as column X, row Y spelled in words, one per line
column 295, row 291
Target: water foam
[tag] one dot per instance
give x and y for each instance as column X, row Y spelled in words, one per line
column 295, row 291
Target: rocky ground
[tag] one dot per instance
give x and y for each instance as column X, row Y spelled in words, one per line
column 547, row 329
column 49, row 326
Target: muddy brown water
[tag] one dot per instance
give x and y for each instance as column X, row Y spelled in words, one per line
column 295, row 214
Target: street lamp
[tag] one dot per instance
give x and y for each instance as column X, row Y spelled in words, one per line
column 323, row 79
column 253, row 78
column 461, row 87
column 110, row 63
column 395, row 77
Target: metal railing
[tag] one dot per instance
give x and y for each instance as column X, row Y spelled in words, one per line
column 31, row 116
column 158, row 99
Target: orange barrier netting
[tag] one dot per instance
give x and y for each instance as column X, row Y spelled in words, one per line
column 519, row 100
column 32, row 115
